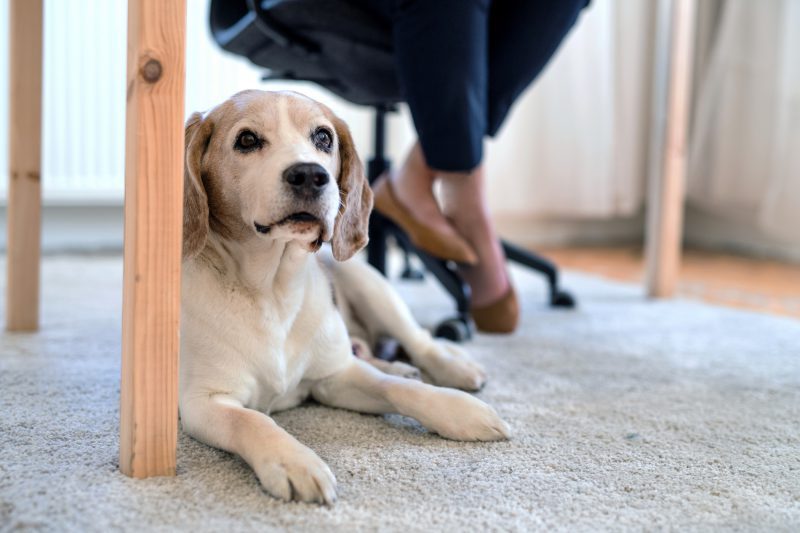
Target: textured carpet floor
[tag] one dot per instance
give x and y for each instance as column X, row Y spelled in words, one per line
column 627, row 414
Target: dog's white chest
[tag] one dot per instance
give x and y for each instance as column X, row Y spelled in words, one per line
column 265, row 349
column 277, row 372
column 275, row 355
column 234, row 343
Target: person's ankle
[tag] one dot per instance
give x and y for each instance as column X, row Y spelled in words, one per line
column 413, row 182
column 463, row 194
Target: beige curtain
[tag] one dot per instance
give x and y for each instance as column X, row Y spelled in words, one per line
column 745, row 139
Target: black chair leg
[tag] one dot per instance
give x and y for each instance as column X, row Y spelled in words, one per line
column 378, row 224
column 558, row 297
column 409, row 272
column 376, row 249
column 459, row 327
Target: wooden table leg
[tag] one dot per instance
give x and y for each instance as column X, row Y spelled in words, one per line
column 153, row 212
column 668, row 177
column 24, row 156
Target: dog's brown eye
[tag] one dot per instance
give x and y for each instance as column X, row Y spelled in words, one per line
column 247, row 141
column 323, row 139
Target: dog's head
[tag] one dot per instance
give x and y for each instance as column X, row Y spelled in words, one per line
column 274, row 166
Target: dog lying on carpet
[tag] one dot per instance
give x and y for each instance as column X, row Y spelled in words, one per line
column 266, row 323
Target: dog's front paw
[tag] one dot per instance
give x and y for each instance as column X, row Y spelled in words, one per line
column 457, row 415
column 449, row 365
column 298, row 474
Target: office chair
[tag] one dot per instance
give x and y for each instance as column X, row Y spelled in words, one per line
column 348, row 50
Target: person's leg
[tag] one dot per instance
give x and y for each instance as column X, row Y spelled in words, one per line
column 447, row 80
column 441, row 53
column 466, row 205
column 523, row 35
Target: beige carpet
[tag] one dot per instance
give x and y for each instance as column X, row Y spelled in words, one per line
column 627, row 414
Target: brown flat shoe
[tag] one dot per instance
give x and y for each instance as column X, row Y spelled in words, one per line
column 500, row 316
column 447, row 247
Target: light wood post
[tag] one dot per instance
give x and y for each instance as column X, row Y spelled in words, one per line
column 668, row 175
column 24, row 157
column 153, row 212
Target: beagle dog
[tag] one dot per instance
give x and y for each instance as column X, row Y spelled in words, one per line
column 267, row 323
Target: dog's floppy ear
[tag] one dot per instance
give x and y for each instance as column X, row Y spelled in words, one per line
column 195, row 199
column 352, row 222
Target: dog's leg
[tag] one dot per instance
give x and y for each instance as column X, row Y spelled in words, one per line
column 450, row 413
column 286, row 468
column 382, row 311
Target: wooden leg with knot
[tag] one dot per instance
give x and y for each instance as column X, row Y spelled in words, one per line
column 153, row 227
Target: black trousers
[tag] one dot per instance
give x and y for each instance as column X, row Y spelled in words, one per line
column 461, row 64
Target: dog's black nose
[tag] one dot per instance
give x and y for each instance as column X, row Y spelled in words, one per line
column 307, row 179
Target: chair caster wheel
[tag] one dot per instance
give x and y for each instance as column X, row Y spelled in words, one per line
column 412, row 274
column 454, row 329
column 563, row 299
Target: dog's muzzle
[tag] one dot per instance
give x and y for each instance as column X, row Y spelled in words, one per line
column 306, row 181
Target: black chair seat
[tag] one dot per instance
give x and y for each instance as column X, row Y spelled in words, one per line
column 333, row 43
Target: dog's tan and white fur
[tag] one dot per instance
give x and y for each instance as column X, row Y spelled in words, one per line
column 264, row 321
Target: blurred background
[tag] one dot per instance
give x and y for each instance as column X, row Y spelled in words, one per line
column 568, row 172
